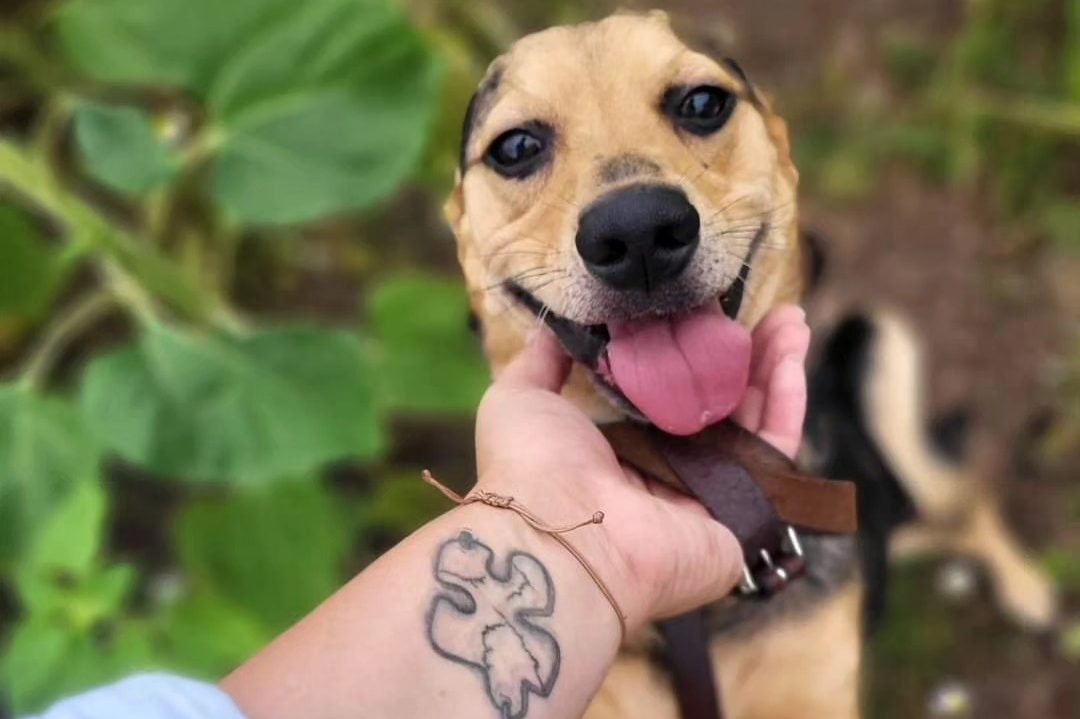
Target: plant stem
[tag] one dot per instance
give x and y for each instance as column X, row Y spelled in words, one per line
column 128, row 259
column 1055, row 116
column 71, row 322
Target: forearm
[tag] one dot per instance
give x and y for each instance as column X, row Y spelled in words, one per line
column 427, row 630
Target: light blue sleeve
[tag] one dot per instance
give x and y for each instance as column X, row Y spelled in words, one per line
column 148, row 696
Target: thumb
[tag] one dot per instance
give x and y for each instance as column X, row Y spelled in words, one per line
column 541, row 365
column 713, row 564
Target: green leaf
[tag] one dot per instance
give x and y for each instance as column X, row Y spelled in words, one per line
column 319, row 106
column 277, row 551
column 207, row 637
column 119, row 148
column 28, row 270
column 45, row 452
column 32, row 659
column 70, row 539
column 212, row 407
column 48, row 661
column 427, row 360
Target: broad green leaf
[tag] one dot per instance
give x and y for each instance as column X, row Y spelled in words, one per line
column 45, row 451
column 319, row 106
column 212, row 407
column 119, row 148
column 182, row 43
column 427, row 361
column 206, row 637
column 47, row 660
column 277, row 551
column 69, row 540
column 28, row 270
column 31, row 661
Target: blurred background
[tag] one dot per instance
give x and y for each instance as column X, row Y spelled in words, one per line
column 232, row 330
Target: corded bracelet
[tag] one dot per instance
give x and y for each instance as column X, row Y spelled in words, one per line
column 500, row 501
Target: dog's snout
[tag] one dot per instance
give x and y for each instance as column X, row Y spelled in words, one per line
column 638, row 238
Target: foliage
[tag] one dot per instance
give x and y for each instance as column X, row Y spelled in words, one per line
column 160, row 147
column 215, row 127
column 997, row 112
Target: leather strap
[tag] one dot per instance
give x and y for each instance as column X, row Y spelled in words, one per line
column 752, row 489
column 717, row 466
column 691, row 666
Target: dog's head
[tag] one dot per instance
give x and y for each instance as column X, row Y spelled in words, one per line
column 639, row 198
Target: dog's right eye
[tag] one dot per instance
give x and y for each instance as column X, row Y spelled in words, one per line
column 700, row 110
column 519, row 152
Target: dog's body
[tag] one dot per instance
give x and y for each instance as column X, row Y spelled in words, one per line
column 612, row 178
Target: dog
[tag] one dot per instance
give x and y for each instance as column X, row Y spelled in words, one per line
column 609, row 176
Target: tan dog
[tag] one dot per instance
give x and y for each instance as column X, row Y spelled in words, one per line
column 626, row 189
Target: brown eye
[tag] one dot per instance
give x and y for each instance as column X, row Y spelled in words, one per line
column 519, row 152
column 700, row 110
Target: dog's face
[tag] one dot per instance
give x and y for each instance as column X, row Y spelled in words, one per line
column 630, row 192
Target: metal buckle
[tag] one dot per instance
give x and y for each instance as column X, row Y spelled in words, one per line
column 776, row 572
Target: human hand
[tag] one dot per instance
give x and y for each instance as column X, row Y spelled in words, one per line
column 659, row 551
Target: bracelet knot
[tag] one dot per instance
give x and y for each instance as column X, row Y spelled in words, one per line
column 502, row 501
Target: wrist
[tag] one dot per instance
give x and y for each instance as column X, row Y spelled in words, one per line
column 511, row 587
column 583, row 511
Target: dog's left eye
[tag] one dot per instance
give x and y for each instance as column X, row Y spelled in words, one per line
column 517, row 153
column 700, row 110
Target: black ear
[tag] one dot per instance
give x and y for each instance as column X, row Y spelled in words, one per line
column 479, row 104
column 467, row 129
column 736, row 68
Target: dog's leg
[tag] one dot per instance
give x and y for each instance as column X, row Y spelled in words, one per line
column 1022, row 590
column 956, row 511
column 796, row 667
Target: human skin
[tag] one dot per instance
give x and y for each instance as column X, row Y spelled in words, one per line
column 402, row 638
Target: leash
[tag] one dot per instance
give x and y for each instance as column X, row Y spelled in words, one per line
column 756, row 492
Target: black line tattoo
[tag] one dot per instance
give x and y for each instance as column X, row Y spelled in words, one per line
column 495, row 627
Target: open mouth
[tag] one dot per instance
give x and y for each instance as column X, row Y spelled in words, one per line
column 682, row 371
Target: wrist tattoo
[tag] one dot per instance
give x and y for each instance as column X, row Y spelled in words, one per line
column 491, row 616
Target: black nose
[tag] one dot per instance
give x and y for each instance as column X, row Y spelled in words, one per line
column 638, row 238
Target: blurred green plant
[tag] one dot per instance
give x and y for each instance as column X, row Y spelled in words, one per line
column 998, row 111
column 209, row 124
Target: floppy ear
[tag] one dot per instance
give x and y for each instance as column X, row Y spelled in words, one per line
column 774, row 124
column 454, row 207
column 778, row 132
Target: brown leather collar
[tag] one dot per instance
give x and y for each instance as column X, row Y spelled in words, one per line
column 757, row 493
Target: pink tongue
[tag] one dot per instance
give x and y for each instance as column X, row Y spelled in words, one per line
column 684, row 373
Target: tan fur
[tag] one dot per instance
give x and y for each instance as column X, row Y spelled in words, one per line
column 599, row 90
column 800, row 666
column 599, row 86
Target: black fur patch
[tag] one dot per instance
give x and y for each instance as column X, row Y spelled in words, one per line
column 478, row 106
column 837, row 431
column 751, row 90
